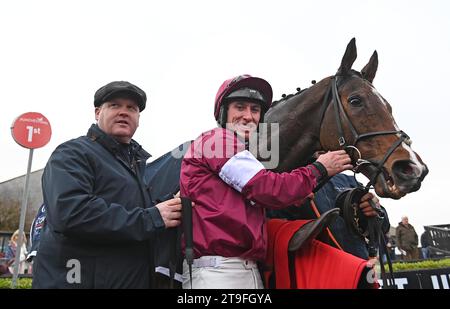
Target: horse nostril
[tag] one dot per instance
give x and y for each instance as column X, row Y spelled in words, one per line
column 404, row 169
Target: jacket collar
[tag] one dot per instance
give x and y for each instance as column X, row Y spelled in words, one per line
column 97, row 135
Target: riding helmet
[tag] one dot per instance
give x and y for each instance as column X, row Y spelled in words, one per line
column 242, row 87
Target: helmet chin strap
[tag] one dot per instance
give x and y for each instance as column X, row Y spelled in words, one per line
column 223, row 116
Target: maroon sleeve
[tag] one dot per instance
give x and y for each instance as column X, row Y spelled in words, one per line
column 277, row 190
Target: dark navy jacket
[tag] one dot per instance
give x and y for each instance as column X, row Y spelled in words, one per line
column 99, row 217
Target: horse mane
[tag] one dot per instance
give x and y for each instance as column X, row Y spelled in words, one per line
column 285, row 97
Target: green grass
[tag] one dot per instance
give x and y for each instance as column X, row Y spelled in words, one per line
column 426, row 264
column 22, row 283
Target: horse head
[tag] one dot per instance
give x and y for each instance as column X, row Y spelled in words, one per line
column 345, row 111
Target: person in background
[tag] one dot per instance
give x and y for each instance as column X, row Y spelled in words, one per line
column 407, row 240
column 426, row 242
column 11, row 253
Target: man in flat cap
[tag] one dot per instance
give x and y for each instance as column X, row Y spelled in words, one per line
column 100, row 221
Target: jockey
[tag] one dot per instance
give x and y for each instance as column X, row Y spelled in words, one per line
column 231, row 189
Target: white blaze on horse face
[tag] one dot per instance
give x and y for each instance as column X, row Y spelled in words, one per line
column 376, row 93
column 383, row 101
column 418, row 167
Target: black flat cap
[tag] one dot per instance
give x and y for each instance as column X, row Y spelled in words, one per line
column 120, row 89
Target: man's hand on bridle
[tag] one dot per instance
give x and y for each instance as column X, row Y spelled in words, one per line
column 365, row 206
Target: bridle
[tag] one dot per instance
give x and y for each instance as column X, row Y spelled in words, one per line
column 339, row 109
column 350, row 207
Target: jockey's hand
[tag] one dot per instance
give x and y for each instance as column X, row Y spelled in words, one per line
column 335, row 162
column 366, row 208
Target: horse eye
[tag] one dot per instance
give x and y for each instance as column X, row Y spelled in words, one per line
column 355, row 101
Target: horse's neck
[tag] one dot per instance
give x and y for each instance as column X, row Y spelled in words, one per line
column 299, row 126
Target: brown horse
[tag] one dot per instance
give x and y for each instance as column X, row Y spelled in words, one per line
column 345, row 111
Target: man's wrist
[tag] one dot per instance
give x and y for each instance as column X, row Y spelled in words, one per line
column 156, row 217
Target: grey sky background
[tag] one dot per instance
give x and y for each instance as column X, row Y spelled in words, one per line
column 55, row 54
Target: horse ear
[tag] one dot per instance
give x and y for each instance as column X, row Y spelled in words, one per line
column 369, row 71
column 348, row 59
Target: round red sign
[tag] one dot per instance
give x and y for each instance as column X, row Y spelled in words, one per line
column 31, row 130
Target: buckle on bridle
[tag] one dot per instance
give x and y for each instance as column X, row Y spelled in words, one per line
column 359, row 161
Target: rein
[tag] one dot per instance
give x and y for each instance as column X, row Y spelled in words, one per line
column 373, row 230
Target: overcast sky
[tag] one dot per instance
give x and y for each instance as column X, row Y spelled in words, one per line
column 55, row 54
